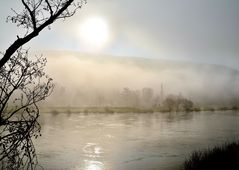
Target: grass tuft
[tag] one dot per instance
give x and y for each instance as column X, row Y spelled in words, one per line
column 224, row 157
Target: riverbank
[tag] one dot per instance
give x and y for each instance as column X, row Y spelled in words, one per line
column 220, row 157
column 56, row 110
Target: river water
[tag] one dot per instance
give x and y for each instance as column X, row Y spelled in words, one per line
column 130, row 141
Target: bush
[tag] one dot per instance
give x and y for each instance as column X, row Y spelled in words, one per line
column 225, row 157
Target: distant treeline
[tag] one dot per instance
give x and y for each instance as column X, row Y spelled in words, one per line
column 145, row 98
column 126, row 100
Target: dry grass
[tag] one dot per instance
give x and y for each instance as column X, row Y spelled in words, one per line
column 225, row 157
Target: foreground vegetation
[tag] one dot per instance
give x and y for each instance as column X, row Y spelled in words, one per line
column 225, row 157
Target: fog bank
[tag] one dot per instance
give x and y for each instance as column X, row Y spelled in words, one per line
column 87, row 80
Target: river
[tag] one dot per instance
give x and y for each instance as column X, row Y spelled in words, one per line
column 130, row 141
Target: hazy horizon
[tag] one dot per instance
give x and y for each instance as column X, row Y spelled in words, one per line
column 107, row 76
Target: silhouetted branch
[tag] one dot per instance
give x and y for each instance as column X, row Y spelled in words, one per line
column 21, row 91
column 36, row 16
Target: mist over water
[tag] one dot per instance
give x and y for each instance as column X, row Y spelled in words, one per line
column 84, row 79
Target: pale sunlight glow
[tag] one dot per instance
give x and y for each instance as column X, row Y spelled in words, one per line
column 93, row 165
column 94, row 32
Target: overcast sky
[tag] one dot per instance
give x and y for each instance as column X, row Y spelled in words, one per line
column 194, row 30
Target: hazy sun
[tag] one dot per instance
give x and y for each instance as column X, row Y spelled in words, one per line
column 94, row 31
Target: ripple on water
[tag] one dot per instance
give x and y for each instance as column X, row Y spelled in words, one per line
column 92, row 150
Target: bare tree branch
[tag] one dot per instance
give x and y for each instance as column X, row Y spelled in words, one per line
column 26, row 84
column 36, row 16
column 31, row 13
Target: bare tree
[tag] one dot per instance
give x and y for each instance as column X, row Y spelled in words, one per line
column 36, row 16
column 23, row 82
column 23, row 85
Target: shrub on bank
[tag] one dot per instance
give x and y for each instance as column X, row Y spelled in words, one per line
column 225, row 157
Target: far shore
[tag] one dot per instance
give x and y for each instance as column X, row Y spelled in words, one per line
column 69, row 110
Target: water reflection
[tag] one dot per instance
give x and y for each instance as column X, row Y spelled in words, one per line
column 92, row 150
column 178, row 116
column 93, row 165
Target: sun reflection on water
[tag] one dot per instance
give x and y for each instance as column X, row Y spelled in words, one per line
column 92, row 152
column 93, row 165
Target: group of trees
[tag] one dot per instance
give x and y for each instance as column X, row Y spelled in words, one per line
column 138, row 98
column 177, row 103
column 147, row 98
column 135, row 98
column 23, row 82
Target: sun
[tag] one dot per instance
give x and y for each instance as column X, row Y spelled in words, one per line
column 94, row 32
